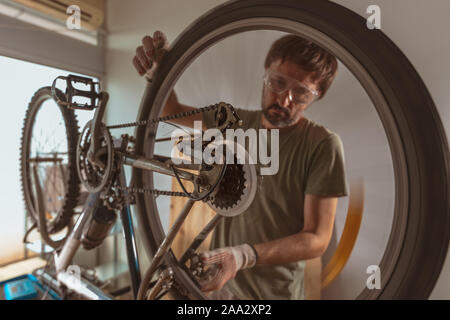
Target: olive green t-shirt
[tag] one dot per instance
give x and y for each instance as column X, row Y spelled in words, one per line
column 311, row 161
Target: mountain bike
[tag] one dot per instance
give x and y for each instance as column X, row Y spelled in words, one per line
column 400, row 97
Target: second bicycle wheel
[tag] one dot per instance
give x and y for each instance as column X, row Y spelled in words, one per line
column 49, row 141
column 414, row 132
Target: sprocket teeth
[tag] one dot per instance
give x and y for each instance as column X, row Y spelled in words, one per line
column 231, row 187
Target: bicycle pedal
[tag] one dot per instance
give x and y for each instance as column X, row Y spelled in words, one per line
column 72, row 92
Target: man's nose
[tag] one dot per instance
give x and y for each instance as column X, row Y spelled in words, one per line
column 284, row 100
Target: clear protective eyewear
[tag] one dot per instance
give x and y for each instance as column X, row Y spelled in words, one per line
column 298, row 92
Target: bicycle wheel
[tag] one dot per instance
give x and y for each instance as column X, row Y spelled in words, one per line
column 414, row 131
column 49, row 140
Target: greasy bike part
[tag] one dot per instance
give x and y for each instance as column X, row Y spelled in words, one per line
column 225, row 117
column 415, row 133
column 202, row 193
column 232, row 117
column 95, row 176
column 71, row 182
column 97, row 130
column 164, row 283
column 237, row 189
column 231, row 188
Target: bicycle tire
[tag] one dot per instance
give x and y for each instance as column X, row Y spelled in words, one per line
column 70, row 201
column 415, row 133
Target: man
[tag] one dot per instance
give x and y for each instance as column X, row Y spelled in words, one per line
column 261, row 253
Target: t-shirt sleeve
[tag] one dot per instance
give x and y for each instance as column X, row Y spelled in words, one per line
column 326, row 176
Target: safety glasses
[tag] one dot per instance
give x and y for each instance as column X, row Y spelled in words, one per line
column 298, row 92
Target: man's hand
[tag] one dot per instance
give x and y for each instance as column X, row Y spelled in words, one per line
column 150, row 54
column 223, row 264
column 148, row 57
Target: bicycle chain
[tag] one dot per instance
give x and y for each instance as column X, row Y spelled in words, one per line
column 152, row 191
column 157, row 192
column 169, row 117
column 132, row 191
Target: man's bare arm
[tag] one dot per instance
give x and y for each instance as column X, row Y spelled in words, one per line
column 311, row 242
column 173, row 106
column 147, row 58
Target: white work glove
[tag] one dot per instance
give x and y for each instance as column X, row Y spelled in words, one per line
column 223, row 264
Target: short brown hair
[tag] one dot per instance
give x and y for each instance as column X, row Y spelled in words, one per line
column 308, row 55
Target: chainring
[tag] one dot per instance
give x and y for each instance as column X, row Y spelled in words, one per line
column 95, row 178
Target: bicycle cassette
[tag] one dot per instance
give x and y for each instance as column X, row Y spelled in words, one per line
column 237, row 189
